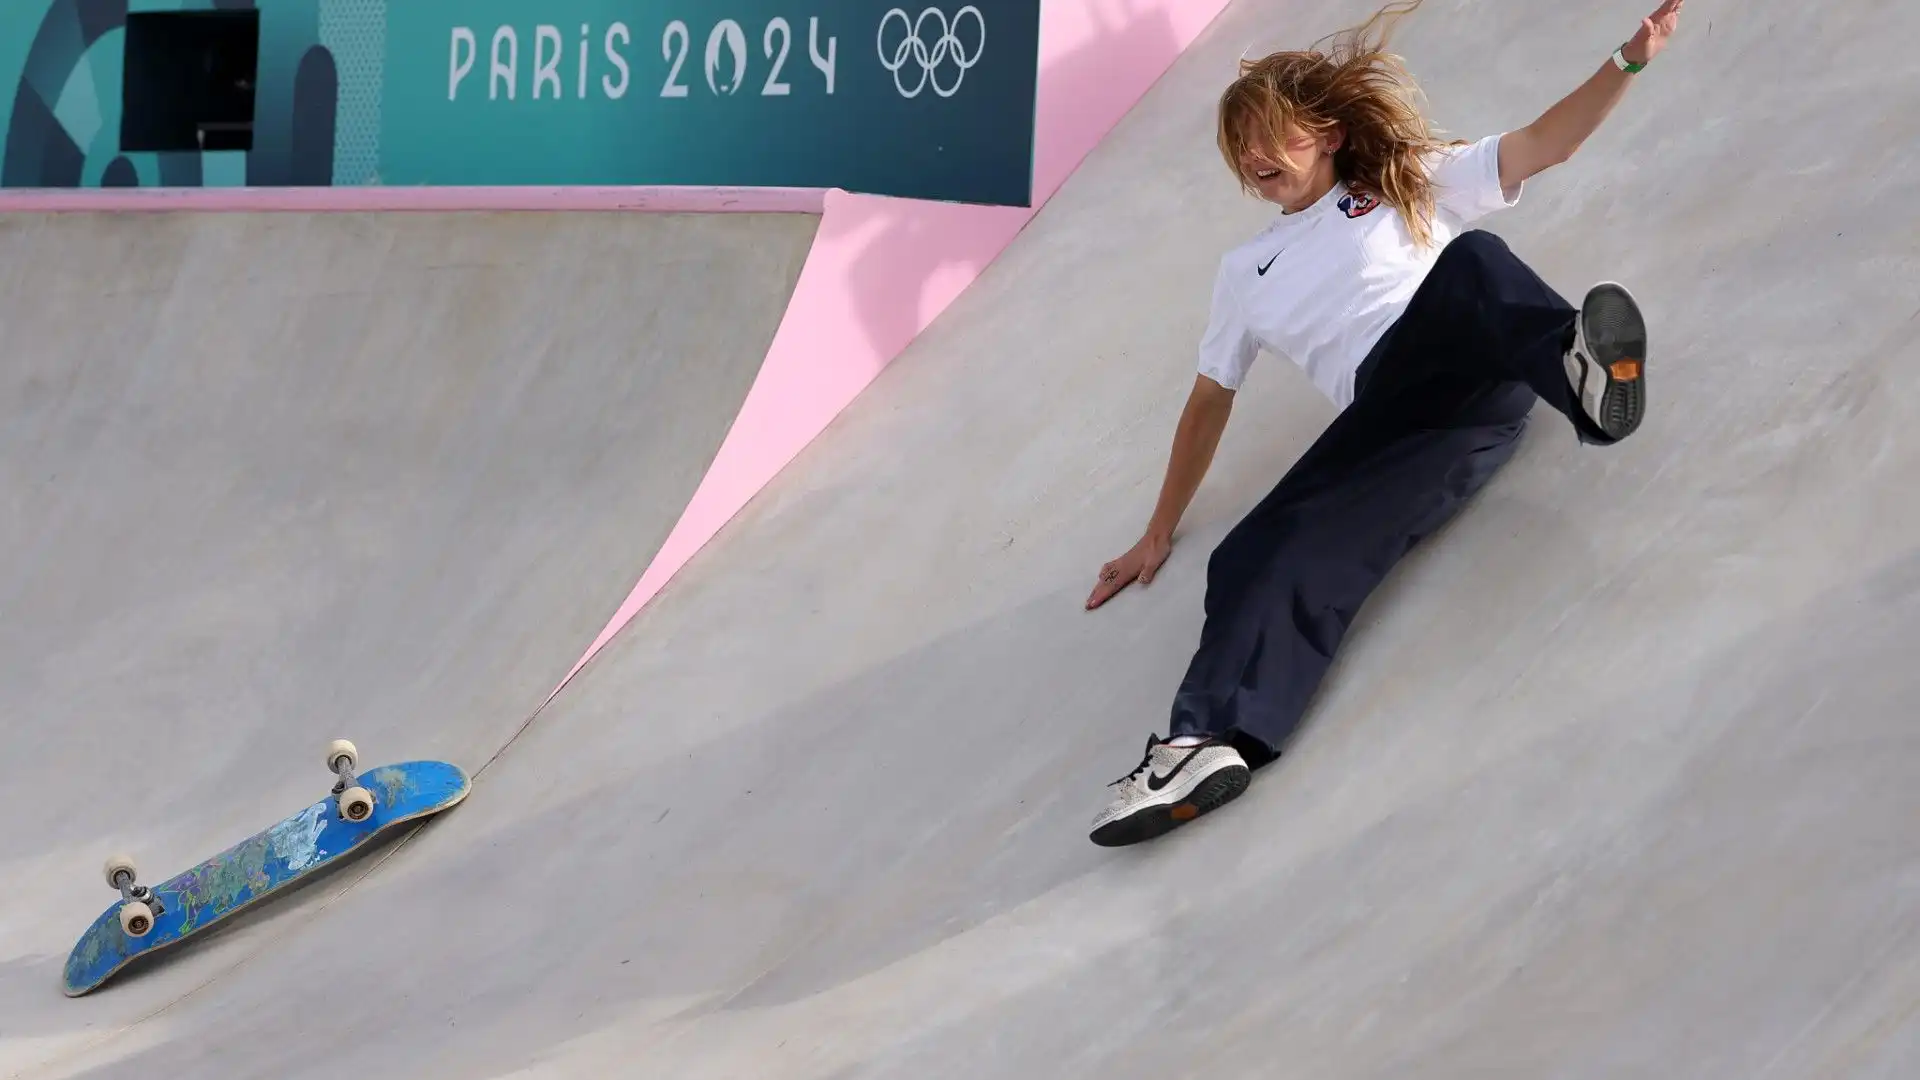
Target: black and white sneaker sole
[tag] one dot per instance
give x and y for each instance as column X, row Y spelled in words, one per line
column 1215, row 790
column 1608, row 362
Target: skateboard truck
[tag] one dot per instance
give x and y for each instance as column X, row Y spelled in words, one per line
column 139, row 906
column 351, row 801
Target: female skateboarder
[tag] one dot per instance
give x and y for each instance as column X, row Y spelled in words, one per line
column 1434, row 341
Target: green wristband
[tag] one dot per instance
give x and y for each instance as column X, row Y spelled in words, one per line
column 1620, row 61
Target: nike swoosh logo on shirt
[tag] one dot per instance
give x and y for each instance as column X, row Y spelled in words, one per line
column 1263, row 270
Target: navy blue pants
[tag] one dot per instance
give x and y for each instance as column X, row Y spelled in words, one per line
column 1439, row 407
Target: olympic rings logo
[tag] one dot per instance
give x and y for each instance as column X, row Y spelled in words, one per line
column 914, row 46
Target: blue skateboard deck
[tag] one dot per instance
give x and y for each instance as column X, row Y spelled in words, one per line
column 254, row 869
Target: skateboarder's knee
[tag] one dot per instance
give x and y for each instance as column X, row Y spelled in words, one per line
column 1476, row 247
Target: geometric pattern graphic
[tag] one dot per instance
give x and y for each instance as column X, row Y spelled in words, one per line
column 40, row 149
column 62, row 115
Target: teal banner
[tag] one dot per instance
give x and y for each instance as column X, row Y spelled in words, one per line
column 922, row 100
column 860, row 94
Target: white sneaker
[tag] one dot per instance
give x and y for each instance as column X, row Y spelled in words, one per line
column 1607, row 361
column 1171, row 786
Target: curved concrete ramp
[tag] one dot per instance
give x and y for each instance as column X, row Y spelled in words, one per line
column 1617, row 777
column 273, row 479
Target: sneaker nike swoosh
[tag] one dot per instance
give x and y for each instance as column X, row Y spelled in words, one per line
column 1155, row 781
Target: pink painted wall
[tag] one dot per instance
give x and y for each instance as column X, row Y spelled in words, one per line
column 882, row 269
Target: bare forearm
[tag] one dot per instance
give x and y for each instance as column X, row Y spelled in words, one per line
column 1194, row 441
column 1562, row 128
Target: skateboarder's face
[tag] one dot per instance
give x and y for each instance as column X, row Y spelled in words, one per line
column 1293, row 173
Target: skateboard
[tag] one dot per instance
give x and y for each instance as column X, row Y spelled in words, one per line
column 359, row 809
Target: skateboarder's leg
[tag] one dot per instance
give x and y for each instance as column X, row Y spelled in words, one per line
column 1484, row 314
column 1286, row 582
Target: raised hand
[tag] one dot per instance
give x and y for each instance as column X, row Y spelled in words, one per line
column 1654, row 31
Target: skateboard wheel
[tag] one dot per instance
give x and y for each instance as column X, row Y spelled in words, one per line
column 136, row 918
column 341, row 748
column 356, row 804
column 117, row 865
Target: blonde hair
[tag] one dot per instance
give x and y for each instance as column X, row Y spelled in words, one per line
column 1356, row 83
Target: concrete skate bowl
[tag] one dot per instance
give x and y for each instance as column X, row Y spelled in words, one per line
column 291, row 472
column 273, row 479
column 1614, row 778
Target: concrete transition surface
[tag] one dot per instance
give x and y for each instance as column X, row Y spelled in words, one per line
column 272, row 479
column 1617, row 777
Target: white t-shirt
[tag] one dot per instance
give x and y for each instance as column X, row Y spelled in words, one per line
column 1320, row 286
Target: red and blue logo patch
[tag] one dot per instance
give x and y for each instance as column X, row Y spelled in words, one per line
column 1357, row 204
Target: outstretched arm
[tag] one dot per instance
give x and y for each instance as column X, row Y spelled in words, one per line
column 1560, row 130
column 1195, row 439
